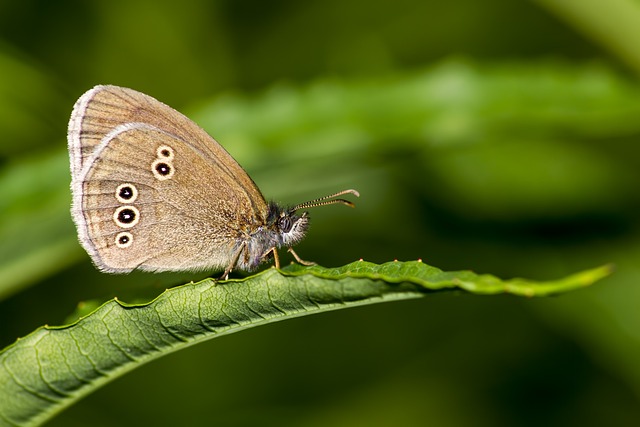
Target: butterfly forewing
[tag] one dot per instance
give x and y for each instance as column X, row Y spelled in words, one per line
column 151, row 189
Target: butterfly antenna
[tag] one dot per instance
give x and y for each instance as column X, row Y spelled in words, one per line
column 328, row 200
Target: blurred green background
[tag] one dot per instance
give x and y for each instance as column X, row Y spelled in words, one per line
column 497, row 136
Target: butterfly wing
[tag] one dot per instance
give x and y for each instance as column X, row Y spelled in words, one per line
column 105, row 107
column 151, row 189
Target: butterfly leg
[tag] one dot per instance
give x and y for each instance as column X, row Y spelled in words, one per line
column 276, row 258
column 232, row 264
column 300, row 260
column 226, row 273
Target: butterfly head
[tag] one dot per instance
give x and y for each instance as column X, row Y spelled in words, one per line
column 291, row 227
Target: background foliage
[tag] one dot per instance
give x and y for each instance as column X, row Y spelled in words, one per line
column 497, row 136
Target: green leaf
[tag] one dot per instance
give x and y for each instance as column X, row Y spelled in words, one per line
column 53, row 367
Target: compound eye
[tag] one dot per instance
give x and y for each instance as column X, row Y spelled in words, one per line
column 284, row 224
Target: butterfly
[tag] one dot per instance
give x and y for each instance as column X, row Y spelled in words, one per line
column 153, row 191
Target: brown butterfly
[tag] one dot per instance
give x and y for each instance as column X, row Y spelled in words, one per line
column 153, row 191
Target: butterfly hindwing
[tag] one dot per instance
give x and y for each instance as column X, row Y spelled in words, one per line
column 151, row 200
